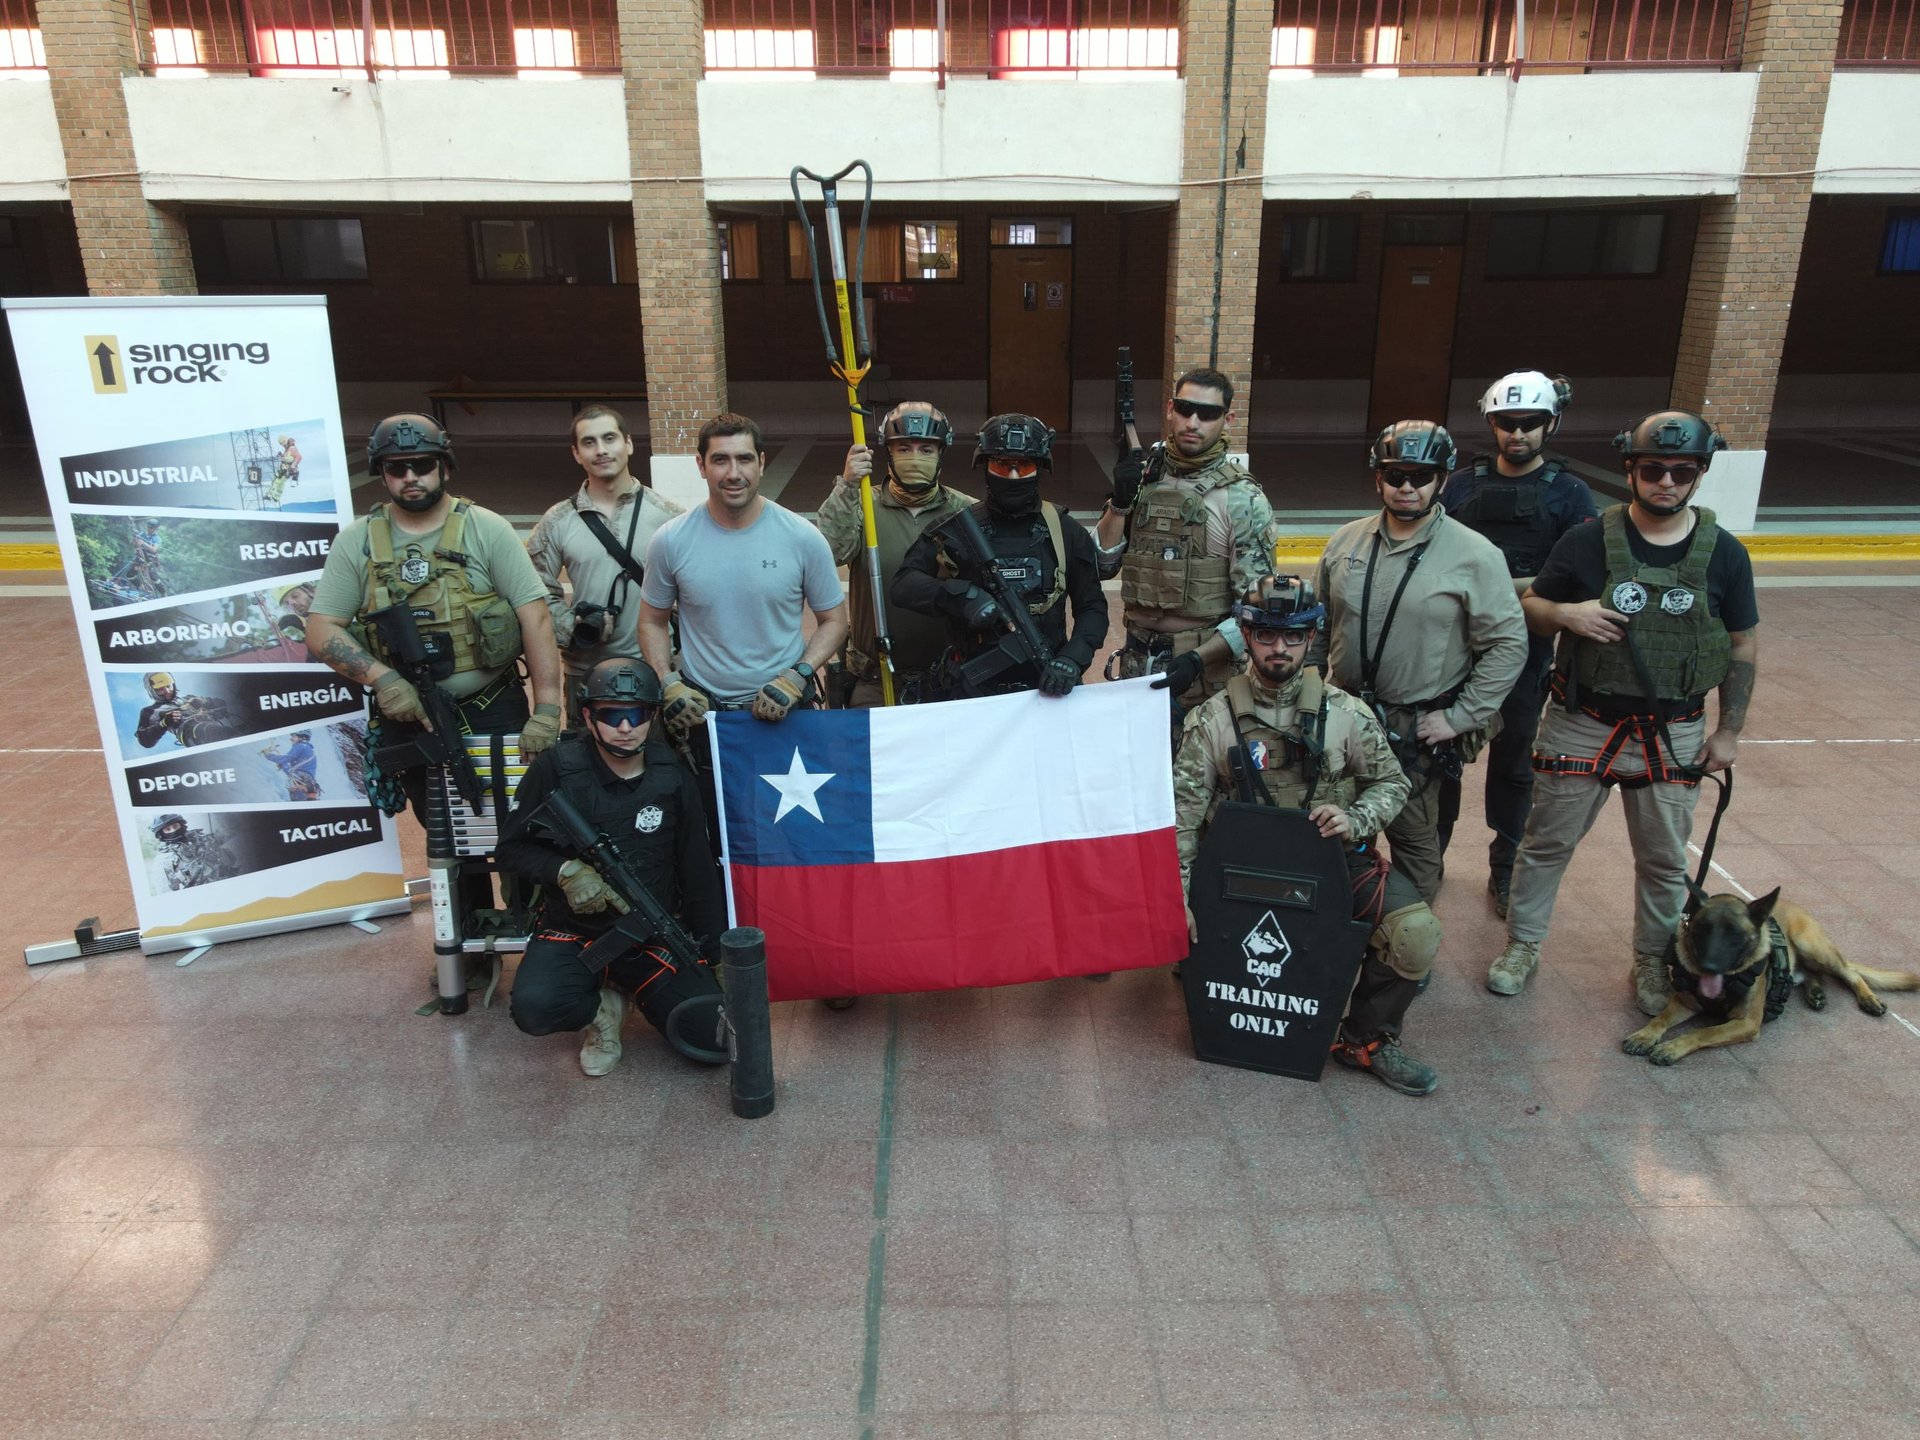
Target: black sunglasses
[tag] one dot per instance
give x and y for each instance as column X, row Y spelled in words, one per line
column 1520, row 424
column 422, row 465
column 1652, row 472
column 1187, row 409
column 614, row 716
column 1396, row 479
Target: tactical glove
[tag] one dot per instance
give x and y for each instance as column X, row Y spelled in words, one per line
column 587, row 893
column 684, row 707
column 1060, row 676
column 1182, row 674
column 779, row 695
column 540, row 731
column 980, row 610
column 397, row 698
column 1127, row 471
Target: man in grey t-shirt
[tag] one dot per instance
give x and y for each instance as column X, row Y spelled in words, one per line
column 743, row 571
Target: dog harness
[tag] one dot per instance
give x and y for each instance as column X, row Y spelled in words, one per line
column 1779, row 972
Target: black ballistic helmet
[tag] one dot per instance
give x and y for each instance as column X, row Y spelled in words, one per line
column 1671, row 432
column 916, row 420
column 162, row 823
column 621, row 682
column 1016, row 437
column 408, row 435
column 1413, row 442
column 1281, row 602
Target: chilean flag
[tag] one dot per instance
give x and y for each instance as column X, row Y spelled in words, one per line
column 971, row 842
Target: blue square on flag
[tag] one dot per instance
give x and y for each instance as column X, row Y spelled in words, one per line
column 799, row 792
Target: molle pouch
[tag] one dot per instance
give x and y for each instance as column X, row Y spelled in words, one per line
column 496, row 632
column 439, row 647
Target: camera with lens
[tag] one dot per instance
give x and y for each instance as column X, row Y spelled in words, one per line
column 589, row 624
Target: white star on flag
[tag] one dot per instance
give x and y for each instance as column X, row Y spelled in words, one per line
column 797, row 788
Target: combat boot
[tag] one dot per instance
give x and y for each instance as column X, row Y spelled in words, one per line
column 600, row 1050
column 1388, row 1063
column 1509, row 972
column 1500, row 887
column 1651, row 987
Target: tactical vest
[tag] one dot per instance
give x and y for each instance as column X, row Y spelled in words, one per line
column 1513, row 514
column 616, row 811
column 1686, row 649
column 1167, row 567
column 1050, row 514
column 481, row 628
column 1287, row 760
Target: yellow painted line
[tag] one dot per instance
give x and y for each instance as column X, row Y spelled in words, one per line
column 1306, row 549
column 29, row 557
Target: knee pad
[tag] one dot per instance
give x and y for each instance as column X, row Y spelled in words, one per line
column 1407, row 939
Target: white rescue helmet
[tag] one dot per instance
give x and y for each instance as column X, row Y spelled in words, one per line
column 1528, row 392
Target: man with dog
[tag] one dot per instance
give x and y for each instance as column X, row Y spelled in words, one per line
column 1654, row 607
column 1310, row 745
column 1423, row 628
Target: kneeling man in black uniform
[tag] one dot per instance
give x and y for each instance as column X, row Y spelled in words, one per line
column 628, row 782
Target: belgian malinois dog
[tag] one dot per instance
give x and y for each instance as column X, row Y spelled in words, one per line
column 1727, row 969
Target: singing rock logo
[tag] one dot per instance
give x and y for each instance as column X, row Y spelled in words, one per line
column 202, row 362
column 103, row 359
column 1267, row 949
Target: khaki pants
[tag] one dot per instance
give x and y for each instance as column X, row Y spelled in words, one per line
column 1413, row 839
column 1659, row 820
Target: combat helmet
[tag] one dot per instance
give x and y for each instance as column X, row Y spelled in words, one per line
column 162, row 824
column 1528, row 392
column 1671, row 432
column 1413, row 442
column 1281, row 602
column 916, row 420
column 408, row 434
column 1015, row 436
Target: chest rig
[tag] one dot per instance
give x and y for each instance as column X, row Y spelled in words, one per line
column 1513, row 514
column 1167, row 567
column 1022, row 562
column 1685, row 649
column 464, row 629
column 1281, row 761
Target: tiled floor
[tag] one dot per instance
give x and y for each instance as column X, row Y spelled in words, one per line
column 261, row 1197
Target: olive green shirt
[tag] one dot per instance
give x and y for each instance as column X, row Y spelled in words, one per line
column 917, row 639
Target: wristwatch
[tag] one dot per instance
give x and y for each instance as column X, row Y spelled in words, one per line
column 803, row 670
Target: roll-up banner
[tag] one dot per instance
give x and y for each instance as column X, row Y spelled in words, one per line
column 193, row 455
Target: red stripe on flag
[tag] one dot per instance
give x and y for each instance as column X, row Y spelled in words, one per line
column 1037, row 912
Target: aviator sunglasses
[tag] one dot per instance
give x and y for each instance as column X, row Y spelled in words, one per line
column 1187, row 409
column 614, row 716
column 422, row 465
column 1652, row 472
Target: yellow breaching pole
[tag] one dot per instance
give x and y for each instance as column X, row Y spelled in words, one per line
column 859, row 353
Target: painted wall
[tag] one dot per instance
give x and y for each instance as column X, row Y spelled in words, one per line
column 1872, row 134
column 33, row 166
column 318, row 139
column 1460, row 137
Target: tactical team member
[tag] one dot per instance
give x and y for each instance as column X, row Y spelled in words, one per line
column 1424, row 628
column 1311, row 746
column 914, row 438
column 190, row 857
column 1654, row 607
column 1195, row 535
column 598, row 536
column 475, row 597
column 743, row 571
column 630, row 784
column 298, row 766
column 1523, row 502
column 1044, row 555
column 190, row 719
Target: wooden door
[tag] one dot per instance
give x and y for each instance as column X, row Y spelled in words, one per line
column 1413, row 347
column 1029, row 325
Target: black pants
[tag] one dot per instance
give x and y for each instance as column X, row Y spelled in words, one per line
column 554, row 990
column 1509, row 762
column 499, row 710
column 1381, row 996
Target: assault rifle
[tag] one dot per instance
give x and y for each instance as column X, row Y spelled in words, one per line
column 1022, row 643
column 643, row 920
column 1124, row 435
column 409, row 653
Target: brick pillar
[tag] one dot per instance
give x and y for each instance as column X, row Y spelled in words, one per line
column 129, row 247
column 663, row 54
column 1747, row 253
column 1213, row 260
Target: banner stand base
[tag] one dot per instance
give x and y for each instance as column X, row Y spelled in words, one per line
column 279, row 925
column 87, row 940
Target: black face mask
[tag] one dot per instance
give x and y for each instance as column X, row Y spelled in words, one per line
column 1013, row 498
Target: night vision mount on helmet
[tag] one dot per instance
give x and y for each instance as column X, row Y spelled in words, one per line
column 916, row 420
column 1281, row 602
column 407, row 434
column 1413, row 442
column 1671, row 432
column 1015, row 437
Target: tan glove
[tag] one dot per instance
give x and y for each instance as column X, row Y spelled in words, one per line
column 398, row 700
column 779, row 695
column 541, row 730
column 683, row 708
column 587, row 893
